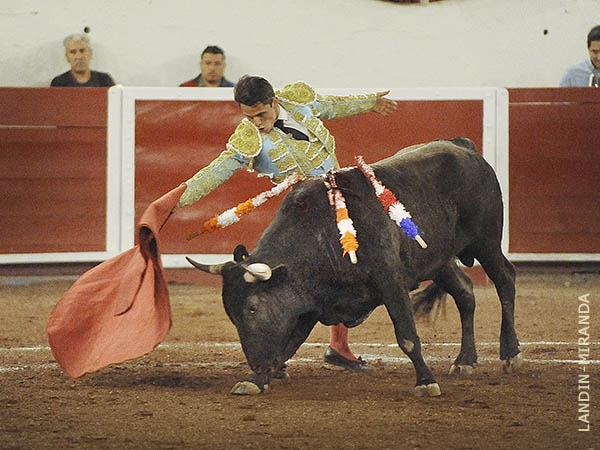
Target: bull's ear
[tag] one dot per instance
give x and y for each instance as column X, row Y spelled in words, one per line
column 279, row 274
column 240, row 253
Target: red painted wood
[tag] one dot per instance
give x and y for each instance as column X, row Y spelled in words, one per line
column 553, row 95
column 52, row 176
column 53, row 106
column 52, row 170
column 554, row 168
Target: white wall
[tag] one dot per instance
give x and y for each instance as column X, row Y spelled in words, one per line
column 328, row 43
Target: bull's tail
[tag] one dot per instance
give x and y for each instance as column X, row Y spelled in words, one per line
column 429, row 302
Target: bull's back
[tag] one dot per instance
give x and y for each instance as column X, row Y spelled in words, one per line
column 451, row 191
column 453, row 171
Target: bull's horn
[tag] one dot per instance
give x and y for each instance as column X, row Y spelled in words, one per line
column 210, row 268
column 257, row 271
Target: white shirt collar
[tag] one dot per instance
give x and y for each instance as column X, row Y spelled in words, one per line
column 288, row 121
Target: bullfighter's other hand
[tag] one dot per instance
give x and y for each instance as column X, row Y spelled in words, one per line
column 384, row 106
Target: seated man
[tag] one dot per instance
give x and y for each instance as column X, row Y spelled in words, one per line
column 587, row 72
column 212, row 67
column 79, row 55
column 283, row 133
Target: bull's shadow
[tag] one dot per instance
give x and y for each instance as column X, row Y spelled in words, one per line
column 130, row 375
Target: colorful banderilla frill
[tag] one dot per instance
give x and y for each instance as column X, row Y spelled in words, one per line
column 233, row 215
column 344, row 223
column 394, row 208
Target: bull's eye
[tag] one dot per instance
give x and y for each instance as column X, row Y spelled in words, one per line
column 302, row 205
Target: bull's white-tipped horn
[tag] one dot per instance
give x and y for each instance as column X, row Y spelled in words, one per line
column 209, row 268
column 257, row 271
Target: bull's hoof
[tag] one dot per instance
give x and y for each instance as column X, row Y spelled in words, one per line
column 460, row 370
column 512, row 365
column 428, row 390
column 281, row 374
column 245, row 388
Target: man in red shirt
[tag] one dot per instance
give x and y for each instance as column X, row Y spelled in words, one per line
column 212, row 66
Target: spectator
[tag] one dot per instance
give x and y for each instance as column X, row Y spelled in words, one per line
column 282, row 133
column 587, row 72
column 212, row 67
column 79, row 55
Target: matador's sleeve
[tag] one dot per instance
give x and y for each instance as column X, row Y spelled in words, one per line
column 333, row 106
column 300, row 94
column 244, row 144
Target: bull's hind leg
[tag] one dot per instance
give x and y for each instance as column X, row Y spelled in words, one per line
column 503, row 274
column 458, row 284
column 400, row 310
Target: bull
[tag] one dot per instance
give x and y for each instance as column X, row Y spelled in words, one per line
column 296, row 276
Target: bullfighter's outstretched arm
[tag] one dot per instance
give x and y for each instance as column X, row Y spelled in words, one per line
column 300, row 94
column 243, row 145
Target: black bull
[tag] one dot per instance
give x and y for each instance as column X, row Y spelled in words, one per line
column 454, row 198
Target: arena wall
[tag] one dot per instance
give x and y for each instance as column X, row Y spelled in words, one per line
column 337, row 43
column 72, row 194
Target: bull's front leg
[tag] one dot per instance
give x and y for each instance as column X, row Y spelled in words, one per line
column 400, row 311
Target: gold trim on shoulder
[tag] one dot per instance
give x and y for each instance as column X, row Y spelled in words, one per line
column 246, row 139
column 298, row 93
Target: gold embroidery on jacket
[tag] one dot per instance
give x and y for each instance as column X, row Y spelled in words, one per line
column 293, row 155
column 333, row 107
column 298, row 93
column 210, row 177
column 288, row 155
column 246, row 139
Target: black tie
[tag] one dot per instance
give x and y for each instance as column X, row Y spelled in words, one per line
column 296, row 134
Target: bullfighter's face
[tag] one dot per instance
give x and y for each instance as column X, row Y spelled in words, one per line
column 261, row 115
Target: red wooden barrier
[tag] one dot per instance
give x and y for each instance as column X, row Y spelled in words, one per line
column 554, row 170
column 53, row 165
column 52, row 170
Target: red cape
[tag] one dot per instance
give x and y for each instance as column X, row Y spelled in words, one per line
column 119, row 310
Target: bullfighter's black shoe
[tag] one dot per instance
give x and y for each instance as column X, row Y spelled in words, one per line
column 333, row 357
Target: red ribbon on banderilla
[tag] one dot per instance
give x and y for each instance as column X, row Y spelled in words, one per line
column 344, row 223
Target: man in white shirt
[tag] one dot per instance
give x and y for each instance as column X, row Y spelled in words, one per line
column 587, row 72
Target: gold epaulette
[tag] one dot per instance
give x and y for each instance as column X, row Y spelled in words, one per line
column 246, row 139
column 298, row 93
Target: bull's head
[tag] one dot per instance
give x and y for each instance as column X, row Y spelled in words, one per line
column 271, row 320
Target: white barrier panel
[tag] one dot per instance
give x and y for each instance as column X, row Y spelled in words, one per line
column 495, row 139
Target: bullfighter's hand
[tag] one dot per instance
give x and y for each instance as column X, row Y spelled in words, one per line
column 384, row 106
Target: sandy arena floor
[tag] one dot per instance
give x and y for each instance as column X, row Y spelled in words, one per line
column 178, row 396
